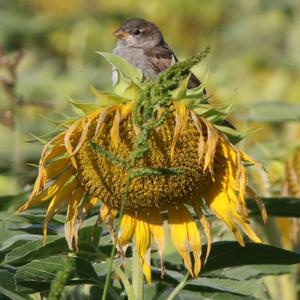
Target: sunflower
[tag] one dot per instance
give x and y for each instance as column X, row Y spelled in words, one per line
column 147, row 149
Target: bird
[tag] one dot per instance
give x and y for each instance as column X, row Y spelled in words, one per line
column 141, row 43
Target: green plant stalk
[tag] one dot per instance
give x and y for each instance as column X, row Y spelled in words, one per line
column 128, row 287
column 179, row 287
column 59, row 282
column 113, row 250
column 137, row 276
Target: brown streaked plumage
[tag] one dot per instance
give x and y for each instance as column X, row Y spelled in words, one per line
column 141, row 43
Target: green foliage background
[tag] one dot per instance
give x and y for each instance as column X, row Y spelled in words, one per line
column 254, row 64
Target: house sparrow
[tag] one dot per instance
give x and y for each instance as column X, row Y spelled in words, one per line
column 141, row 43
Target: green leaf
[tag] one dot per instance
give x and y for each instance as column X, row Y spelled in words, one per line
column 231, row 254
column 106, row 98
column 8, row 288
column 250, row 272
column 214, row 114
column 276, row 112
column 127, row 89
column 213, row 286
column 233, row 135
column 181, row 90
column 235, row 287
column 190, row 295
column 126, row 69
column 85, row 107
column 277, row 206
column 38, row 275
column 11, row 201
column 89, row 238
column 15, row 242
column 34, row 250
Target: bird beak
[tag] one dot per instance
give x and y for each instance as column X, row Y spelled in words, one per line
column 120, row 34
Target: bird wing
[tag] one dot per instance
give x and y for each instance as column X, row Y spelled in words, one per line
column 159, row 57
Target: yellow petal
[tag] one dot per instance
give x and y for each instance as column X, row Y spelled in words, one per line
column 46, row 155
column 56, row 167
column 54, row 152
column 57, row 148
column 107, row 213
column 121, row 113
column 205, row 224
column 115, row 130
column 259, row 203
column 90, row 203
column 211, row 143
column 155, row 222
column 58, row 202
column 220, row 204
column 71, row 228
column 181, row 115
column 100, row 122
column 143, row 242
column 67, row 140
column 126, row 109
column 85, row 126
column 157, row 230
column 50, row 191
column 185, row 235
column 127, row 228
column 201, row 143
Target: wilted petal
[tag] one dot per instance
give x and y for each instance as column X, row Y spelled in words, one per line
column 143, row 242
column 186, row 236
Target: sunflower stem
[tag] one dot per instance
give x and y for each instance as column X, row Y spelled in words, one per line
column 113, row 250
column 179, row 287
column 137, row 275
column 128, row 287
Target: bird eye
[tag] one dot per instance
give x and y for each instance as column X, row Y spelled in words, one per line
column 136, row 32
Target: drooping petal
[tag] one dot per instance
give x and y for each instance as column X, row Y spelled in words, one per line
column 211, row 144
column 220, row 204
column 47, row 154
column 56, row 167
column 127, row 228
column 49, row 192
column 121, row 112
column 67, row 140
column 181, row 116
column 85, row 126
column 186, row 236
column 59, row 202
column 201, row 143
column 155, row 222
column 90, row 203
column 54, row 152
column 259, row 203
column 71, row 228
column 100, row 120
column 205, row 224
column 143, row 243
column 115, row 129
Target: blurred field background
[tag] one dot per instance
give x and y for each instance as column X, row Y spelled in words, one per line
column 254, row 64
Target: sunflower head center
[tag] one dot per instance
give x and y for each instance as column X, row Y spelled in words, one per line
column 106, row 178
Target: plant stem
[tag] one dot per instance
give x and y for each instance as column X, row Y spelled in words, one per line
column 137, row 275
column 179, row 287
column 113, row 250
column 128, row 287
